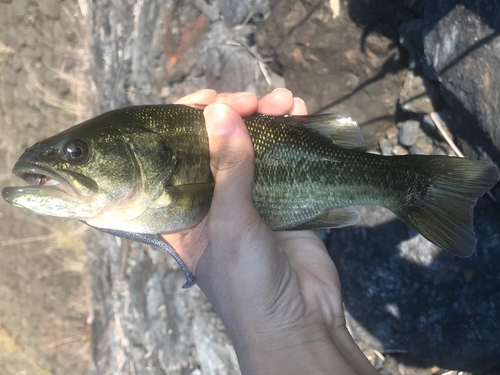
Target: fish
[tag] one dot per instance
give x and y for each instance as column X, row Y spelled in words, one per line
column 145, row 170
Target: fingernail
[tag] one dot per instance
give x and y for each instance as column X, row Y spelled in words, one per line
column 297, row 98
column 218, row 119
column 282, row 88
column 240, row 94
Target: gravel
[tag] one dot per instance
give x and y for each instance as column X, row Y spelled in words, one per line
column 409, row 133
column 385, row 147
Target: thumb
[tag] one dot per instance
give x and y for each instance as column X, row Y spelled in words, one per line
column 232, row 162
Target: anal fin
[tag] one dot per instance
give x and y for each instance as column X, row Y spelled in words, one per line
column 332, row 218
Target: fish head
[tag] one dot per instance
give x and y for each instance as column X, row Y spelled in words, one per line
column 93, row 172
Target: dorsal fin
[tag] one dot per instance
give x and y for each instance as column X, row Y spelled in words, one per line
column 343, row 131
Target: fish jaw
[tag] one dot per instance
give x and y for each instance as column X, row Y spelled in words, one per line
column 46, row 200
column 50, row 192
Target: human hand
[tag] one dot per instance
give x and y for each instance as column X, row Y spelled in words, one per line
column 278, row 293
column 190, row 244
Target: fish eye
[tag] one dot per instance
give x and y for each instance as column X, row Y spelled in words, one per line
column 77, row 151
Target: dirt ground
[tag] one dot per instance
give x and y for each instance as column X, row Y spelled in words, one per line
column 45, row 303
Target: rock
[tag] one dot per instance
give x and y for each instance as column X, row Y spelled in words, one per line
column 385, row 147
column 398, row 150
column 415, row 150
column 418, row 94
column 50, row 8
column 392, row 135
column 440, row 151
column 409, row 133
column 425, row 144
column 456, row 43
column 461, row 47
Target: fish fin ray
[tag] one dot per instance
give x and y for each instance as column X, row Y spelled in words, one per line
column 444, row 214
column 332, row 218
column 199, row 191
column 343, row 131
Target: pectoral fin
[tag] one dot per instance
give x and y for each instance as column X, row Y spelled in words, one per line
column 178, row 208
column 332, row 218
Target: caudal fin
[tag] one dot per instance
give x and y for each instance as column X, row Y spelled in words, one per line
column 444, row 212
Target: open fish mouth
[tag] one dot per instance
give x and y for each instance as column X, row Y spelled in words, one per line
column 43, row 177
column 43, row 180
column 50, row 192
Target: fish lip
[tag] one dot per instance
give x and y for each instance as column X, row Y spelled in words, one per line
column 26, row 170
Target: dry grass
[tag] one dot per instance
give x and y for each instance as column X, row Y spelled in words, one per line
column 62, row 242
column 6, row 50
column 9, row 345
column 75, row 55
column 71, row 107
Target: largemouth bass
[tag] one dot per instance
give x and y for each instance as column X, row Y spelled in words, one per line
column 146, row 170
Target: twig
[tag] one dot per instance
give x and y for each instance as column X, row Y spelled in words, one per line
column 249, row 17
column 18, row 241
column 262, row 67
column 256, row 55
column 444, row 132
column 378, row 354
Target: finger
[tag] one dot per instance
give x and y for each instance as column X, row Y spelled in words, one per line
column 202, row 97
column 299, row 107
column 277, row 103
column 232, row 163
column 244, row 103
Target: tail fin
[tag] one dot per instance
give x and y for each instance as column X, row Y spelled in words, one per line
column 444, row 212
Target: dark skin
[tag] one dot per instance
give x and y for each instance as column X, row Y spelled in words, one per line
column 278, row 293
